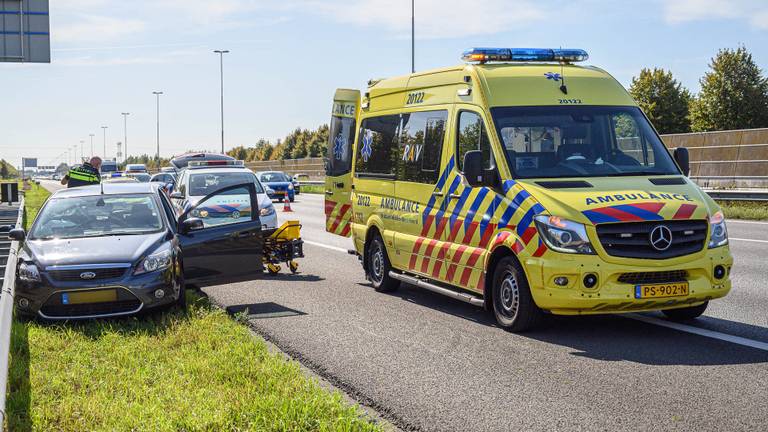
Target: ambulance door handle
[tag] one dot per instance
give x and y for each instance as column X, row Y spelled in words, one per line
column 329, row 192
column 437, row 194
column 454, row 196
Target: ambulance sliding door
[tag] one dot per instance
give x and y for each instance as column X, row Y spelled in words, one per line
column 338, row 167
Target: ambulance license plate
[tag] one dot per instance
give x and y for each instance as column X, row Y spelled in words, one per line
column 82, row 297
column 673, row 289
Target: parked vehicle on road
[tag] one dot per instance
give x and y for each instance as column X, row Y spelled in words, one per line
column 280, row 183
column 168, row 179
column 108, row 167
column 201, row 177
column 117, row 249
column 182, row 161
column 297, row 179
column 135, row 168
column 526, row 184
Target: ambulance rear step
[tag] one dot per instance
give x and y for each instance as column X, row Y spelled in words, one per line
column 467, row 298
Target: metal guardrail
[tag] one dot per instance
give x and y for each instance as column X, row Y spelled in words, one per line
column 738, row 195
column 6, row 315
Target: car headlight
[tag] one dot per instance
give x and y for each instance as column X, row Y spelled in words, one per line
column 718, row 233
column 290, row 186
column 267, row 211
column 159, row 260
column 28, row 272
column 562, row 235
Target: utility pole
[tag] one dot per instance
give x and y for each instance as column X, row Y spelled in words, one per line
column 221, row 66
column 125, row 132
column 91, row 135
column 158, row 93
column 104, row 128
column 413, row 36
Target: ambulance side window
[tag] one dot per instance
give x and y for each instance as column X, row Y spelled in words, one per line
column 377, row 147
column 421, row 143
column 340, row 137
column 472, row 135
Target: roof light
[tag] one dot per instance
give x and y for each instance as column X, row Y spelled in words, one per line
column 484, row 55
column 216, row 163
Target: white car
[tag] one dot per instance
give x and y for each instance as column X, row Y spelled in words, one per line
column 197, row 181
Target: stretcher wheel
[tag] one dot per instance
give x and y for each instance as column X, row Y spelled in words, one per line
column 273, row 268
column 294, row 266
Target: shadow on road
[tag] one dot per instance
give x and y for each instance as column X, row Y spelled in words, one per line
column 263, row 310
column 610, row 337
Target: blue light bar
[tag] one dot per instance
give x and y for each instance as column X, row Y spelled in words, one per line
column 484, row 55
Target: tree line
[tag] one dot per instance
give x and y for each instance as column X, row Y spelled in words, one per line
column 733, row 95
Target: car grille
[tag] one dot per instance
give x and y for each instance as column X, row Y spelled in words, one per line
column 90, row 309
column 100, row 274
column 640, row 278
column 631, row 239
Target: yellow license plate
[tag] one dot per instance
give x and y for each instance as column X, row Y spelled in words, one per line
column 81, row 297
column 673, row 289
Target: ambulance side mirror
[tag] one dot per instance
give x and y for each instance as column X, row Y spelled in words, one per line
column 682, row 159
column 473, row 168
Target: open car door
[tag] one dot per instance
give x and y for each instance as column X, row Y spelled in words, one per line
column 338, row 167
column 221, row 238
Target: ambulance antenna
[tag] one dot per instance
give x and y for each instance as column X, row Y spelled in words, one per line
column 563, row 88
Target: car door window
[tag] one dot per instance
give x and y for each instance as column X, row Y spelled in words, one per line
column 378, row 144
column 472, row 135
column 168, row 208
column 228, row 207
column 421, row 142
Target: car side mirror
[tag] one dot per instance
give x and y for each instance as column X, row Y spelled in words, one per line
column 177, row 195
column 473, row 168
column 683, row 160
column 191, row 224
column 17, row 234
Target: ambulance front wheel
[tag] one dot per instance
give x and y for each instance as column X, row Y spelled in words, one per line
column 513, row 305
column 379, row 266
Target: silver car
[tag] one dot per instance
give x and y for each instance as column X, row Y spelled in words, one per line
column 196, row 182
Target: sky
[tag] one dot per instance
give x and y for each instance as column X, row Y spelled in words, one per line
column 288, row 56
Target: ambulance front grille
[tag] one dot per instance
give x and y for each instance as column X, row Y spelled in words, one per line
column 632, row 239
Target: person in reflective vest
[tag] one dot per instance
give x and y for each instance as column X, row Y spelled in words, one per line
column 84, row 175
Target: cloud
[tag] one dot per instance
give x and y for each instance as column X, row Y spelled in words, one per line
column 755, row 12
column 434, row 18
column 87, row 28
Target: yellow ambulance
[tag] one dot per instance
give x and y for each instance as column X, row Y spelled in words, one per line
column 525, row 184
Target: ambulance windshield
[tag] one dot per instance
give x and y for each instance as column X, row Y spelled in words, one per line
column 580, row 141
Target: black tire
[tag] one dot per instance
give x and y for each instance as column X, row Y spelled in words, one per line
column 513, row 305
column 293, row 198
column 279, row 200
column 379, row 266
column 686, row 314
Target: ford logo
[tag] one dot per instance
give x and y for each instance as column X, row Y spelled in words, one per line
column 87, row 275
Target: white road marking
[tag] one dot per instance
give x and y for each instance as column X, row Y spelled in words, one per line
column 700, row 331
column 648, row 319
column 748, row 240
column 746, row 222
column 322, row 245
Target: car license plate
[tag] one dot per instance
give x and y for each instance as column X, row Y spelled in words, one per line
column 673, row 289
column 96, row 296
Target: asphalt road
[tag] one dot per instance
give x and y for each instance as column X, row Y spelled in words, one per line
column 427, row 362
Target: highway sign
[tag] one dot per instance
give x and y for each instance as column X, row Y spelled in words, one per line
column 25, row 31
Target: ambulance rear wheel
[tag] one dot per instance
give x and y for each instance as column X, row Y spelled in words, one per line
column 513, row 305
column 686, row 314
column 379, row 266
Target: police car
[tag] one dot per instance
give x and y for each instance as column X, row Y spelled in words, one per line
column 201, row 178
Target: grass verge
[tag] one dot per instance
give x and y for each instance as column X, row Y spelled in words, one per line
column 190, row 370
column 313, row 189
column 34, row 198
column 751, row 210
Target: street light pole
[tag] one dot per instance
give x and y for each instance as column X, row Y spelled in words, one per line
column 104, row 128
column 74, row 152
column 221, row 67
column 413, row 36
column 82, row 144
column 91, row 135
column 125, row 133
column 158, row 93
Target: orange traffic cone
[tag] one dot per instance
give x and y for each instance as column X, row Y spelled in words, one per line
column 286, row 204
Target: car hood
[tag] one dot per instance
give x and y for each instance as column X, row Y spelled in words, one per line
column 277, row 184
column 94, row 250
column 620, row 199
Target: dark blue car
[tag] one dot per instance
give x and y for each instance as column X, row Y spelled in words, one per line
column 280, row 184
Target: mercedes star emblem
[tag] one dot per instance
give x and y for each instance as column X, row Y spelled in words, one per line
column 661, row 238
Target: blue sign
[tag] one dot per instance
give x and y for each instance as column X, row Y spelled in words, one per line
column 339, row 147
column 553, row 76
column 367, row 149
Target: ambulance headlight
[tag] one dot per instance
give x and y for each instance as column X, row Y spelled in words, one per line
column 718, row 233
column 562, row 235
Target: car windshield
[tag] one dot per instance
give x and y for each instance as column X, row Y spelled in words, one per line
column 580, row 141
column 203, row 184
column 143, row 178
column 97, row 216
column 273, row 177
